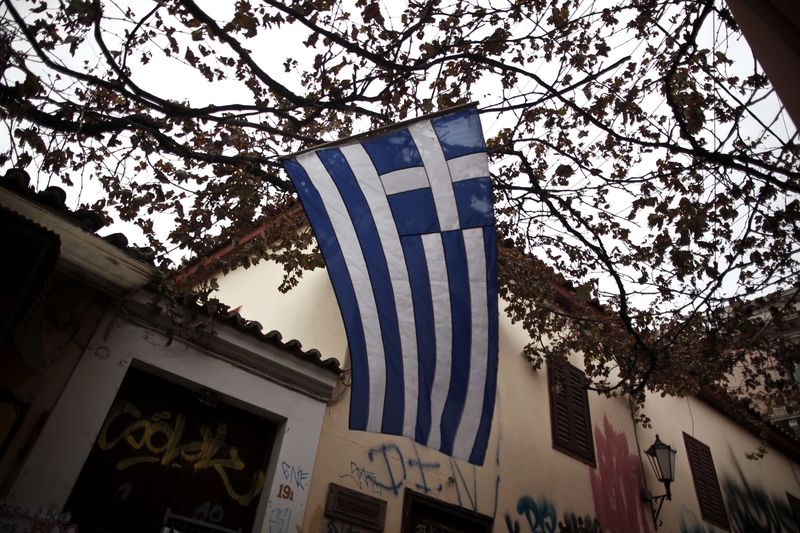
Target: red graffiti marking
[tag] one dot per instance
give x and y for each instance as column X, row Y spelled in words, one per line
column 617, row 483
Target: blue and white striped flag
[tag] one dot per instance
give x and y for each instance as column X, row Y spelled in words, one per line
column 405, row 224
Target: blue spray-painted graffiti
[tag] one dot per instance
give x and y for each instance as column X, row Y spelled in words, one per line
column 389, row 471
column 433, row 467
column 691, row 524
column 541, row 517
column 460, row 481
column 363, row 478
column 295, row 475
column 395, row 479
column 279, row 520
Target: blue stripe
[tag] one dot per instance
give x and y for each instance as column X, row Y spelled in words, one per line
column 343, row 288
column 393, row 151
column 474, row 202
column 426, row 331
column 361, row 216
column 460, row 133
column 482, row 439
column 455, row 256
column 414, row 212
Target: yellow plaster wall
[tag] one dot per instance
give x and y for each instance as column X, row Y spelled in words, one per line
column 524, row 480
column 754, row 490
column 526, row 466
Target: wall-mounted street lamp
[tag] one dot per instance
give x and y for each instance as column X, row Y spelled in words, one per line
column 662, row 459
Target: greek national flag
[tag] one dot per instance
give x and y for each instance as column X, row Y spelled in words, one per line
column 404, row 221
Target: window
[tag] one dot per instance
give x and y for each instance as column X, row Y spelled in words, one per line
column 706, row 485
column 423, row 514
column 569, row 412
column 346, row 508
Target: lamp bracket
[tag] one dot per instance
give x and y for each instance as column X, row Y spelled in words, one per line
column 655, row 505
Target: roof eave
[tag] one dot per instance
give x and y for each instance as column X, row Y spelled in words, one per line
column 83, row 254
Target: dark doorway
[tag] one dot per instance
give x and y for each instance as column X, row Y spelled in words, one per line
column 423, row 514
column 169, row 456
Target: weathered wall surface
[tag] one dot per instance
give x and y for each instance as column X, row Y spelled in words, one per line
column 308, row 313
column 59, row 336
column 52, row 468
column 525, row 485
column 754, row 490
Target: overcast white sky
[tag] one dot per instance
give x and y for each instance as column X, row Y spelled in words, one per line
column 172, row 79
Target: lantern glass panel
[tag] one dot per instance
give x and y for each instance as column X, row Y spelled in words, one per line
column 672, row 453
column 663, row 457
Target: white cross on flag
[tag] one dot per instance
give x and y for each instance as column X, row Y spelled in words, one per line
column 405, row 224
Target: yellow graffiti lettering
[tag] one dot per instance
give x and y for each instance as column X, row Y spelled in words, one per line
column 117, row 410
column 172, row 449
column 255, row 490
column 125, row 463
column 161, row 437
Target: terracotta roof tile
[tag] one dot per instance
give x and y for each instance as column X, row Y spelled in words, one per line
column 54, row 199
column 274, row 338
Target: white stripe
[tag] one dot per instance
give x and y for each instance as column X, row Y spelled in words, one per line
column 469, row 166
column 473, row 406
column 357, row 268
column 370, row 184
column 440, row 294
column 438, row 174
column 406, row 179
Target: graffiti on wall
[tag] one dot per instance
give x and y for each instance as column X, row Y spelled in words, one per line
column 15, row 518
column 617, row 483
column 540, row 516
column 295, row 475
column 337, row 526
column 616, row 487
column 691, row 524
column 161, row 440
column 752, row 510
column 387, row 471
column 295, row 479
column 279, row 520
column 579, row 524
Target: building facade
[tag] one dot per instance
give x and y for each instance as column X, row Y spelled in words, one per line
column 123, row 411
column 560, row 459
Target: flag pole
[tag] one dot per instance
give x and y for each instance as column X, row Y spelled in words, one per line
column 379, row 131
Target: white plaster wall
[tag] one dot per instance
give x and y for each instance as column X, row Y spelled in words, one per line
column 56, row 459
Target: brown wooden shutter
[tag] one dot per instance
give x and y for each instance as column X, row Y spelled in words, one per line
column 569, row 412
column 706, row 484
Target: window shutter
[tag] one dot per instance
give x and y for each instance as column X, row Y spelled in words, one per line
column 582, row 430
column 569, row 412
column 560, row 407
column 706, row 484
